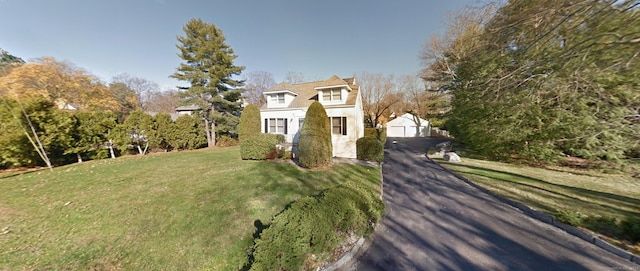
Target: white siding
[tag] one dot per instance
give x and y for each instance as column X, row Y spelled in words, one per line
column 343, row 145
column 405, row 126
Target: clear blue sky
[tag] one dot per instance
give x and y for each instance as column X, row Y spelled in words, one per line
column 317, row 38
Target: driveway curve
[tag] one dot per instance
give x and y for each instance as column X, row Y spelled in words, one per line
column 435, row 221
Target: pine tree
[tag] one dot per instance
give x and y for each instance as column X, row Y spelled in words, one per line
column 314, row 146
column 209, row 70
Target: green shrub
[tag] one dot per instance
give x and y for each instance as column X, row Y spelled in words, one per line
column 369, row 148
column 379, row 133
column 317, row 225
column 631, row 229
column 314, row 145
column 257, row 147
column 249, row 122
column 225, row 141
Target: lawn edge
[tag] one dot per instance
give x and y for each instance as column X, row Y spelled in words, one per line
column 363, row 242
column 549, row 219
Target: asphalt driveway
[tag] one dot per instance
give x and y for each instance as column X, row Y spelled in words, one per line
column 436, row 221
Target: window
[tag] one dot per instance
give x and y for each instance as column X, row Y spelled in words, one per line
column 332, row 95
column 275, row 126
column 300, row 122
column 277, row 98
column 338, row 125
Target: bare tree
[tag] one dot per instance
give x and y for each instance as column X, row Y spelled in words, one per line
column 419, row 100
column 255, row 84
column 164, row 101
column 142, row 87
column 378, row 95
column 294, row 77
column 442, row 52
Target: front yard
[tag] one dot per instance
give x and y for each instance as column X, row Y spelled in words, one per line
column 176, row 211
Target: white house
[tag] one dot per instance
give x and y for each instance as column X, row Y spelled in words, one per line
column 287, row 106
column 408, row 125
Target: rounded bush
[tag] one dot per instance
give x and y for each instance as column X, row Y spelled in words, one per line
column 314, row 145
column 249, row 122
column 317, row 225
column 369, row 148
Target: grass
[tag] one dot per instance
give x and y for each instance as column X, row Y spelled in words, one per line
column 600, row 202
column 178, row 211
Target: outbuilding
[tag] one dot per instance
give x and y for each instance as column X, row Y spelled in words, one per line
column 408, row 125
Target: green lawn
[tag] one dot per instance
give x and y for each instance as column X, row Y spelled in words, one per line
column 591, row 199
column 177, row 211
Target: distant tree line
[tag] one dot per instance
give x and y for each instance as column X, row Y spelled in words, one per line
column 53, row 112
column 68, row 136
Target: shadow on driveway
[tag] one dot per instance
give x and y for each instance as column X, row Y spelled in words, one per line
column 436, row 221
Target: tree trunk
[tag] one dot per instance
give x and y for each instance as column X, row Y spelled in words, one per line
column 79, row 157
column 113, row 155
column 213, row 134
column 207, row 131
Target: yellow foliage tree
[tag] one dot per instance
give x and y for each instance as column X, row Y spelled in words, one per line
column 59, row 82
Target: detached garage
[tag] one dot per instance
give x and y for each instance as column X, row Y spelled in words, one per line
column 406, row 126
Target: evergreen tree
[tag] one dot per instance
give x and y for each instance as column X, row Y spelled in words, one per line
column 249, row 122
column 137, row 130
column 163, row 128
column 7, row 59
column 209, row 70
column 91, row 134
column 187, row 134
column 540, row 83
column 314, row 145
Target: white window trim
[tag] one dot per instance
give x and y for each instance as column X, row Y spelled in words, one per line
column 343, row 125
column 278, row 98
column 331, row 94
column 277, row 129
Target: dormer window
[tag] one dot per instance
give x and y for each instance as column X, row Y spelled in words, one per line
column 334, row 94
column 277, row 98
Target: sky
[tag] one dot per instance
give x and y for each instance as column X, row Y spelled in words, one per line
column 316, row 38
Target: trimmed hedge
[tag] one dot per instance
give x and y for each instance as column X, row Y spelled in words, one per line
column 379, row 133
column 369, row 148
column 249, row 122
column 258, row 146
column 317, row 225
column 314, row 145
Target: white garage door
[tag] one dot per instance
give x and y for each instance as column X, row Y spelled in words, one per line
column 395, row 131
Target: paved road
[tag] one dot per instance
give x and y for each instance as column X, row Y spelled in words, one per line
column 436, row 221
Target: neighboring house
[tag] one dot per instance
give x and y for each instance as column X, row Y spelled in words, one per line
column 187, row 109
column 408, row 125
column 181, row 110
column 287, row 106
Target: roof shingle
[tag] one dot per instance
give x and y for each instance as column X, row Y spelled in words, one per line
column 307, row 92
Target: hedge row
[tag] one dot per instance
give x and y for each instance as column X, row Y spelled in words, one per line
column 369, row 148
column 316, row 226
column 259, row 146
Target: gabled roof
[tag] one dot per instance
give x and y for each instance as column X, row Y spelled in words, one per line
column 334, row 81
column 307, row 92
